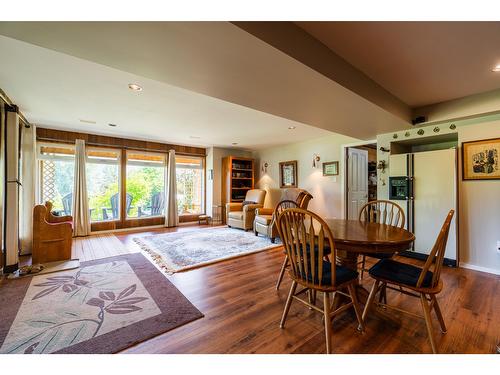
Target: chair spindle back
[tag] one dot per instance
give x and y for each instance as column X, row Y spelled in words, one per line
column 436, row 256
column 307, row 239
column 303, row 199
column 383, row 212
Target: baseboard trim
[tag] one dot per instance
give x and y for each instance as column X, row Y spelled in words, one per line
column 480, row 269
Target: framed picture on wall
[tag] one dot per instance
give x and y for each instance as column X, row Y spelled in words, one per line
column 480, row 160
column 288, row 174
column 331, row 168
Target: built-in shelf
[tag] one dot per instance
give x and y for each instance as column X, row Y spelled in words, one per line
column 238, row 176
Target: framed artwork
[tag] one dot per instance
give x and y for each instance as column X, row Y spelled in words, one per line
column 331, row 168
column 288, row 174
column 480, row 160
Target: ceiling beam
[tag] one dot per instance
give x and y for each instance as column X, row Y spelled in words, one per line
column 297, row 43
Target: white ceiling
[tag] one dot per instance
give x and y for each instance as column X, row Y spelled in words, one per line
column 421, row 63
column 56, row 90
column 216, row 59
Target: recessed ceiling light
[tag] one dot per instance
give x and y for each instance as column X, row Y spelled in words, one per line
column 291, row 127
column 234, row 143
column 496, row 68
column 113, row 125
column 134, row 87
column 88, row 121
column 194, row 137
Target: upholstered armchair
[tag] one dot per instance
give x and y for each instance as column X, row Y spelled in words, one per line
column 52, row 240
column 242, row 215
column 265, row 218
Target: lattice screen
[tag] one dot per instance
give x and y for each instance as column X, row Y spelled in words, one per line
column 48, row 173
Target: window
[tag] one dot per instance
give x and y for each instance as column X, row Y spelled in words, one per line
column 190, row 195
column 56, row 173
column 145, row 184
column 103, row 183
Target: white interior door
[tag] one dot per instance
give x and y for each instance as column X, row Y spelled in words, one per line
column 357, row 181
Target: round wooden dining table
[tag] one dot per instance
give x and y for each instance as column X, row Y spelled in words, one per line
column 354, row 237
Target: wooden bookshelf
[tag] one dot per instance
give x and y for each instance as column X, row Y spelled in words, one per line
column 238, row 176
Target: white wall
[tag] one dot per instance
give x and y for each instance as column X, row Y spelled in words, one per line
column 479, row 201
column 480, row 209
column 327, row 191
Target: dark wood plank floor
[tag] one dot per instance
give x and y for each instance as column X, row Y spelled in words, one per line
column 242, row 312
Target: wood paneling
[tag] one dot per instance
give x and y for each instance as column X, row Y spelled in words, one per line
column 51, row 135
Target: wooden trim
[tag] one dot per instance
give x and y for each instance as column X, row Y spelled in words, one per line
column 62, row 136
column 188, row 218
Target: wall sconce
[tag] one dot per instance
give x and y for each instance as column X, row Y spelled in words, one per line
column 316, row 159
column 264, row 167
column 381, row 165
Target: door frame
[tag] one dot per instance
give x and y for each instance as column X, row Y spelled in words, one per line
column 345, row 171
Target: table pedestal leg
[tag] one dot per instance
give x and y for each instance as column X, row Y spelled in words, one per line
column 349, row 259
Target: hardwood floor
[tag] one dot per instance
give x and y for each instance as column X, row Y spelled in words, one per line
column 242, row 311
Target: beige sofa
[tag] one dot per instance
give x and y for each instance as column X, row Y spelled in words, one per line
column 242, row 216
column 265, row 220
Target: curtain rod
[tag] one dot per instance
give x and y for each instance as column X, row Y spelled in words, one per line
column 96, row 144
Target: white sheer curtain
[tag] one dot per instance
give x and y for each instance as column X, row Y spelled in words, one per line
column 171, row 215
column 27, row 191
column 81, row 217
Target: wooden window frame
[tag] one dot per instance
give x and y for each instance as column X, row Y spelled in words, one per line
column 194, row 217
column 45, row 136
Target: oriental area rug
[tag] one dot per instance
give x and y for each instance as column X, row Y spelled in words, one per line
column 181, row 251
column 104, row 306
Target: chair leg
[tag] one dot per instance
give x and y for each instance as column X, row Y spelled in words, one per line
column 369, row 302
column 382, row 298
column 328, row 323
column 256, row 234
column 310, row 297
column 282, row 272
column 428, row 321
column 355, row 304
column 439, row 315
column 363, row 262
column 288, row 303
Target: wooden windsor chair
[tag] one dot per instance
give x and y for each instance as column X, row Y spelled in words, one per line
column 381, row 212
column 308, row 240
column 423, row 283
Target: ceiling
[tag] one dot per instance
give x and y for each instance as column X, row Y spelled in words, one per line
column 57, row 91
column 207, row 79
column 421, row 63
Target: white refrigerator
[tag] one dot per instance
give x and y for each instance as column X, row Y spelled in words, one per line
column 432, row 192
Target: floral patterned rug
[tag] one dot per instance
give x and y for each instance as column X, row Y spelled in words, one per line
column 104, row 306
column 181, row 251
